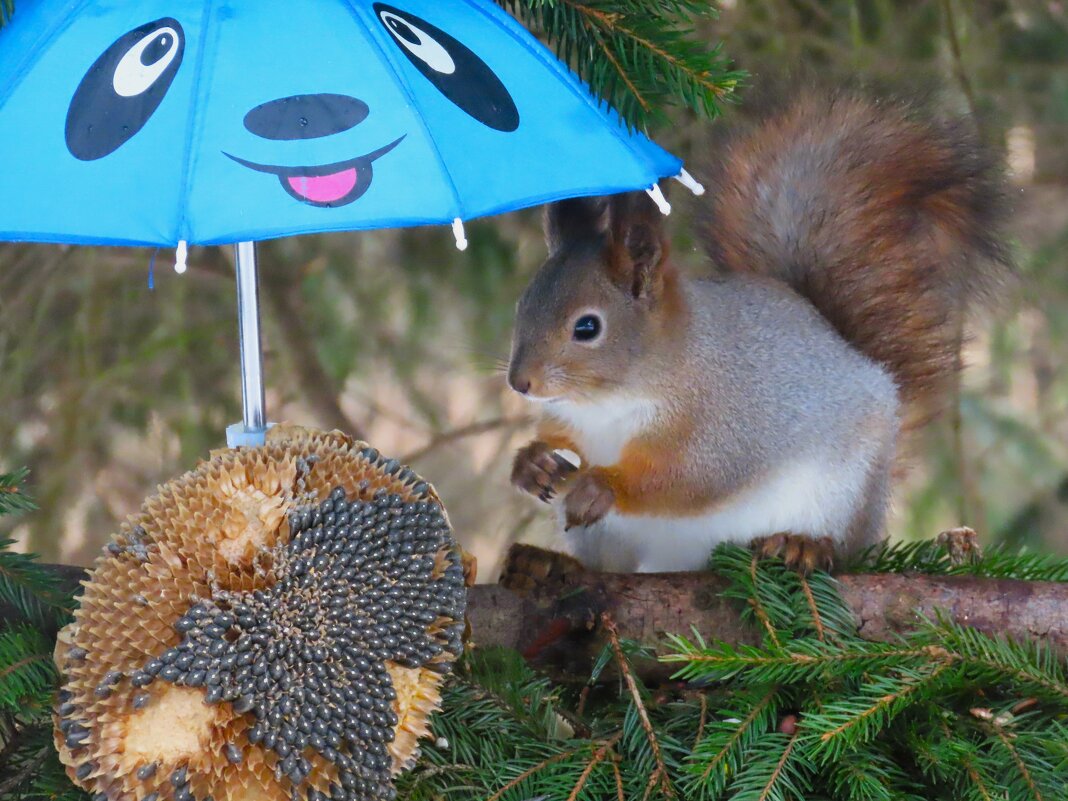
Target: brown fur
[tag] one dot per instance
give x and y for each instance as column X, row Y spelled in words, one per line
column 887, row 223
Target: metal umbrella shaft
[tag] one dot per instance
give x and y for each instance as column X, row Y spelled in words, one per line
column 254, row 425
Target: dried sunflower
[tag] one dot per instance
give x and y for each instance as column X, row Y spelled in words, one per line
column 272, row 625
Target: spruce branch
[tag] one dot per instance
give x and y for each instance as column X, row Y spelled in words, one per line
column 801, row 660
column 1023, row 783
column 775, row 771
column 637, row 56
column 30, row 588
column 13, row 497
column 841, row 725
column 930, row 557
column 599, row 755
column 870, row 774
column 661, row 775
column 720, row 755
column 997, row 659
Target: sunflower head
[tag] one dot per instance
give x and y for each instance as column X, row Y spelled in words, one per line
column 273, row 625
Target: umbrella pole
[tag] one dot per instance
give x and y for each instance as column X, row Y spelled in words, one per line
column 250, row 432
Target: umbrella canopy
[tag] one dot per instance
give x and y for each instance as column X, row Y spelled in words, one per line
column 162, row 121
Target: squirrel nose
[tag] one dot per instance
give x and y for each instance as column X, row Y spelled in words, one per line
column 519, row 383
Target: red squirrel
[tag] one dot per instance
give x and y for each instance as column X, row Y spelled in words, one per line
column 767, row 403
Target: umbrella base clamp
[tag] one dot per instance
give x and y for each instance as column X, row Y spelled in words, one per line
column 239, row 436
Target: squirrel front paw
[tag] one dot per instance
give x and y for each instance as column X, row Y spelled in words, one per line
column 537, row 472
column 589, row 500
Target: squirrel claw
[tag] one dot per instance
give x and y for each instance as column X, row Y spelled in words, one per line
column 536, row 472
column 588, row 501
column 801, row 553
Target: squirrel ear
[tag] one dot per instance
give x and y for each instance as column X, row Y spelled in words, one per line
column 579, row 218
column 639, row 244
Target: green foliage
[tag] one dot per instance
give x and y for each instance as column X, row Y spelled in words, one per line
column 637, row 55
column 30, row 588
column 811, row 712
column 24, row 584
column 29, row 767
column 928, row 556
column 12, row 498
column 946, row 712
column 27, row 675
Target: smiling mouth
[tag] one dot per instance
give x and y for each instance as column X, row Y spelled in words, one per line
column 325, row 185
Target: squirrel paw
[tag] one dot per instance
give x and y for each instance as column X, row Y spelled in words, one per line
column 527, row 567
column 588, row 501
column 962, row 545
column 536, row 472
column 801, row 553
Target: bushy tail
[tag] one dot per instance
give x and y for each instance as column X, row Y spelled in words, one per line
column 889, row 223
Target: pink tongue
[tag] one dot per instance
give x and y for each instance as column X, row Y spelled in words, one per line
column 324, row 188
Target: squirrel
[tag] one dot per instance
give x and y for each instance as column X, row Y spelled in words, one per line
column 767, row 403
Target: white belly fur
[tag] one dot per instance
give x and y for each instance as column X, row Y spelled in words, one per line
column 806, row 498
column 603, row 429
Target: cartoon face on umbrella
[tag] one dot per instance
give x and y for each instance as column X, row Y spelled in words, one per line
column 166, row 122
column 225, row 122
column 126, row 85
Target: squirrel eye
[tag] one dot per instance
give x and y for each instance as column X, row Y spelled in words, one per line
column 587, row 328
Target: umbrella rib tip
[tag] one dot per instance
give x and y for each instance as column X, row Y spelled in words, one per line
column 690, row 183
column 458, row 232
column 657, row 194
column 181, row 254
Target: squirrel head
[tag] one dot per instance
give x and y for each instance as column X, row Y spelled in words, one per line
column 597, row 303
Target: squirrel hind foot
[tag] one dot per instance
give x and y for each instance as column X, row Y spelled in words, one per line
column 800, row 552
column 961, row 544
column 528, row 567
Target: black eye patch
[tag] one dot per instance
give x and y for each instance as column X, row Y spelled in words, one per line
column 458, row 73
column 123, row 88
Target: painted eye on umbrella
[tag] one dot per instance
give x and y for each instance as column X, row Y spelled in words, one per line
column 419, row 44
column 456, row 72
column 145, row 62
column 123, row 88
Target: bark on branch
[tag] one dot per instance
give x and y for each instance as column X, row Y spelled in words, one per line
column 557, row 625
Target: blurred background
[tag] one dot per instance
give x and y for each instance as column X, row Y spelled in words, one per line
column 108, row 388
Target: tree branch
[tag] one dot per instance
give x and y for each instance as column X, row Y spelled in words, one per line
column 646, row 606
column 470, row 430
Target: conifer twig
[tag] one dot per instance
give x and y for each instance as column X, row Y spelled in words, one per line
column 737, row 734
column 1020, row 764
column 605, row 744
column 610, row 22
column 883, row 703
column 620, row 795
column 595, row 760
column 703, row 721
column 770, row 786
column 639, row 705
column 817, row 619
column 758, row 608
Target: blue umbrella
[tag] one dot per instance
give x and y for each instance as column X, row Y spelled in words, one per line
column 176, row 122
